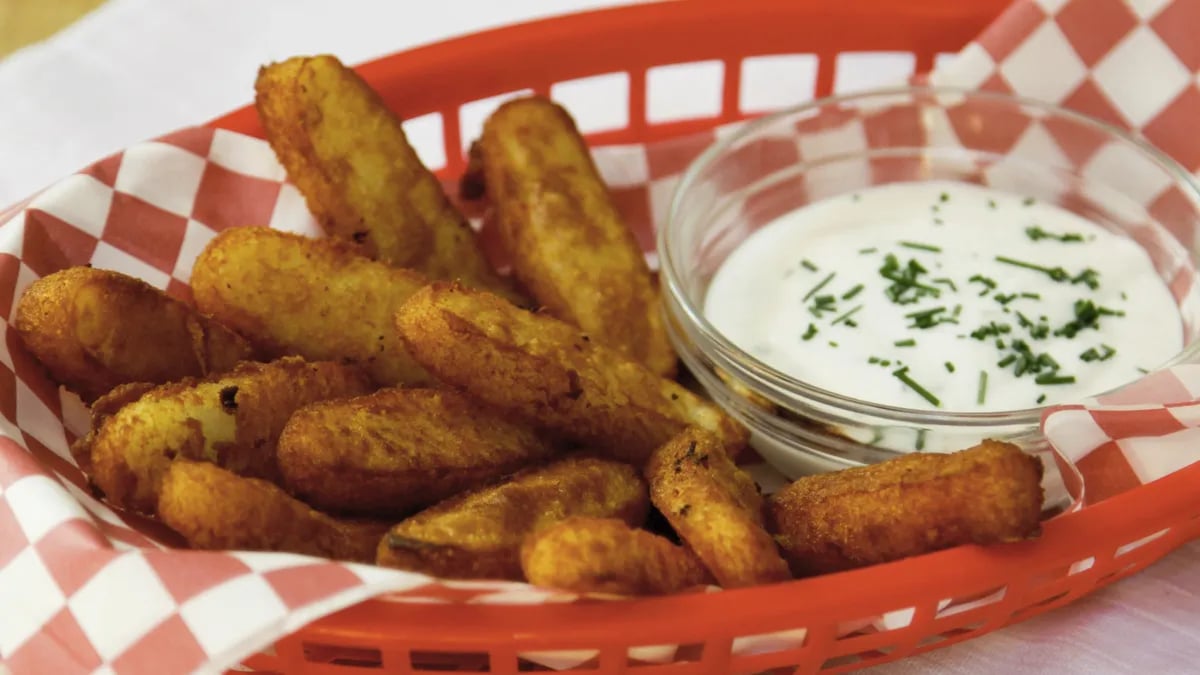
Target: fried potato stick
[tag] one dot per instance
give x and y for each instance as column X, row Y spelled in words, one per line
column 903, row 507
column 478, row 534
column 95, row 329
column 348, row 155
column 716, row 509
column 570, row 247
column 605, row 555
column 315, row 298
column 552, row 374
column 399, row 450
column 232, row 420
column 217, row 509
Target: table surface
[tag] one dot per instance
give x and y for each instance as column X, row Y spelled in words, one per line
column 199, row 56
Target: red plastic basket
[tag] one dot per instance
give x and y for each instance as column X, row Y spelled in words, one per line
column 1077, row 553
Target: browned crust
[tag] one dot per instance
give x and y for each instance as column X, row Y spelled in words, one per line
column 716, row 509
column 915, row 504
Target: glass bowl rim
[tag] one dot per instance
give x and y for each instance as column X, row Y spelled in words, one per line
column 768, row 381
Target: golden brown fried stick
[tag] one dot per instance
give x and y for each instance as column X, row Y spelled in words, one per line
column 716, row 509
column 570, row 248
column 105, row 407
column 316, row 298
column 478, row 535
column 348, row 155
column 217, row 509
column 605, row 555
column 551, row 374
column 95, row 329
column 233, row 420
column 907, row 506
column 399, row 450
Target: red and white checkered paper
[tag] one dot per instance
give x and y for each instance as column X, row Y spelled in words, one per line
column 66, row 559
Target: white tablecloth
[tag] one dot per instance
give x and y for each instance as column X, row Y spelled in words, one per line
column 186, row 61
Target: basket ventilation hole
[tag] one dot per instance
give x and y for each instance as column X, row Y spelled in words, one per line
column 1134, row 545
column 857, row 71
column 684, row 91
column 338, row 655
column 425, row 136
column 862, row 658
column 450, row 661
column 948, row 634
column 765, row 643
column 471, row 116
column 597, row 103
column 951, row 606
column 1081, row 566
column 778, row 81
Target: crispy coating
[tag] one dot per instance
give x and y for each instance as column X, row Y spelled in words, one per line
column 716, row 508
column 233, row 420
column 570, row 248
column 907, row 506
column 478, row 534
column 605, row 555
column 552, row 374
column 348, row 155
column 399, row 450
column 315, row 298
column 105, row 407
column 95, row 329
column 217, row 509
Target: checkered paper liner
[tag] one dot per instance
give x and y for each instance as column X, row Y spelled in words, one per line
column 66, row 559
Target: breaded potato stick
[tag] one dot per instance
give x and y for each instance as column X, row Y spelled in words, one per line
column 232, row 420
column 314, row 298
column 552, row 374
column 570, row 247
column 95, row 329
column 399, row 450
column 217, row 509
column 105, row 407
column 478, row 534
column 348, row 155
column 716, row 509
column 605, row 555
column 903, row 507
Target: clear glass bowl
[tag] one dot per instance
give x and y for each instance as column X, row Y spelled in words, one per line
column 849, row 143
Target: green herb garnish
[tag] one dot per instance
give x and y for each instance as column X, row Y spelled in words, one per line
column 808, row 265
column 808, row 334
column 981, row 394
column 852, row 292
column 846, row 315
column 905, row 343
column 903, row 376
column 1054, row 378
column 1103, row 354
column 949, row 367
column 819, row 286
column 1036, row 233
column 920, row 246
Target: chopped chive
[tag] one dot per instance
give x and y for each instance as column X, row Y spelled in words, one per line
column 1032, row 296
column 949, row 367
column 886, row 362
column 1036, row 233
column 808, row 265
column 944, row 197
column 1142, row 370
column 981, row 394
column 868, row 250
column 921, row 439
column 1006, row 361
column 987, row 282
column 1103, row 354
column 991, row 203
column 819, row 286
column 873, row 360
column 1028, row 201
column 905, row 343
column 852, row 323
column 1055, row 273
column 1123, row 296
column 920, row 246
column 808, row 334
column 1087, row 315
column 1054, row 378
column 903, row 376
column 1041, row 399
column 832, row 343
column 846, row 315
column 947, row 282
column 852, row 292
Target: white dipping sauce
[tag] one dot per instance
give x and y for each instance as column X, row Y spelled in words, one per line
column 967, row 327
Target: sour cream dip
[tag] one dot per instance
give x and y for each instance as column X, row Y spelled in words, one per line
column 946, row 296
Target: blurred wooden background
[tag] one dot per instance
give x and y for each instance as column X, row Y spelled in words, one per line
column 25, row 21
